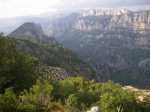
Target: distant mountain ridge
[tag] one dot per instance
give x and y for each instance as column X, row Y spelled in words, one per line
column 103, row 19
column 114, row 41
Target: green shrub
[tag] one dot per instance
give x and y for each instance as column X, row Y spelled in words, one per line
column 38, row 97
column 8, row 101
column 114, row 97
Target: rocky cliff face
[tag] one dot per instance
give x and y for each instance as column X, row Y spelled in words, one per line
column 108, row 19
column 104, row 19
column 113, row 41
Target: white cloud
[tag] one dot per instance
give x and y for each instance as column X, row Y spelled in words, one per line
column 9, row 8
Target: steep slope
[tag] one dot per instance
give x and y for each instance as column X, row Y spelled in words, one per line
column 56, row 55
column 114, row 41
column 30, row 39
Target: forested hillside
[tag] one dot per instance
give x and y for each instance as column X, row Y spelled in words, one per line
column 25, row 85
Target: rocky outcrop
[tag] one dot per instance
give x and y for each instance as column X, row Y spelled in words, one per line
column 143, row 96
column 52, row 73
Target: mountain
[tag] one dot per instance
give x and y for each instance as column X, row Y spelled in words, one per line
column 56, row 60
column 114, row 41
column 55, row 55
column 43, row 19
column 103, row 19
column 32, row 31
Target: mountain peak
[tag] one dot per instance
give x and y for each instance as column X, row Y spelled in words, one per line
column 32, row 31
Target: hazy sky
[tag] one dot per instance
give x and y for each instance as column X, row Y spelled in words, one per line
column 11, row 8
